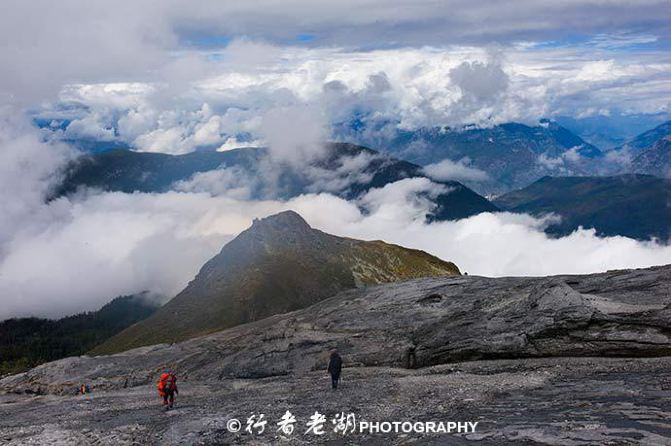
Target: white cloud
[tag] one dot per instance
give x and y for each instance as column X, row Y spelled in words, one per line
column 117, row 95
column 456, row 171
column 163, row 141
column 231, row 182
column 28, row 170
column 404, row 200
column 620, row 40
column 564, row 161
column 480, row 80
column 175, row 131
column 341, row 174
column 597, row 70
column 295, row 134
column 233, row 143
column 572, row 154
column 108, row 245
column 410, row 87
column 550, row 163
column 96, row 126
column 487, row 244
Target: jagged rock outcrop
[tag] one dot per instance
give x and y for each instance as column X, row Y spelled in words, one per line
column 418, row 323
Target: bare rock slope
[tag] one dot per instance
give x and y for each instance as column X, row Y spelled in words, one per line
column 538, row 401
column 413, row 324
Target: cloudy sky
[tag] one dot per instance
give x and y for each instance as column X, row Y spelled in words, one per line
column 172, row 76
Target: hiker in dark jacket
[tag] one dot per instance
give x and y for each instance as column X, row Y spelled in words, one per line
column 335, row 365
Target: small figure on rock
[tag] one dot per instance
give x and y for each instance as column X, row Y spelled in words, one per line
column 411, row 357
column 167, row 388
column 335, row 366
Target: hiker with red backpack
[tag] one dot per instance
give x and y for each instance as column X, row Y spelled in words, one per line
column 167, row 388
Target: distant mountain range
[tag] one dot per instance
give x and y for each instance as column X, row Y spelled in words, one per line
column 637, row 206
column 656, row 160
column 347, row 170
column 28, row 342
column 588, row 187
column 650, row 152
column 513, row 155
column 509, row 156
column 613, row 130
column 647, row 140
column 279, row 264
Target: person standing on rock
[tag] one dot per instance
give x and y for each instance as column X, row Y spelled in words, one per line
column 335, row 366
column 167, row 388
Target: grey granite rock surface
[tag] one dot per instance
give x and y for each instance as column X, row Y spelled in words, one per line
column 570, row 360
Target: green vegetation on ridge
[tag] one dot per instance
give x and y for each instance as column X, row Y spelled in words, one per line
column 28, row 342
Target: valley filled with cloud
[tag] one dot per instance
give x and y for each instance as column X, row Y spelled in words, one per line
column 224, row 77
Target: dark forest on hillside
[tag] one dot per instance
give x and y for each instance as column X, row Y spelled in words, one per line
column 27, row 342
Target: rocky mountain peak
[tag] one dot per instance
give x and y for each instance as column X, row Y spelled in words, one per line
column 284, row 230
column 280, row 264
column 286, row 221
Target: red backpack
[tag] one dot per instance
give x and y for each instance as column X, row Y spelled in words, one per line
column 167, row 383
